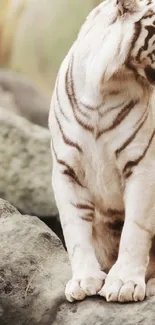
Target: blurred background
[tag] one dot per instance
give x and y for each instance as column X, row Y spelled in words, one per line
column 35, row 35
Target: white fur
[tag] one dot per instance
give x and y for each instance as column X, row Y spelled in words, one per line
column 98, row 69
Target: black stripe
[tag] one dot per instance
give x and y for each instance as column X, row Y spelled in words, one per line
column 149, row 2
column 88, row 217
column 67, row 85
column 69, row 171
column 58, row 100
column 65, row 138
column 91, row 108
column 119, row 118
column 111, row 109
column 83, row 206
column 131, row 138
column 75, row 105
column 151, row 32
column 70, row 91
column 136, row 35
column 127, row 170
column 113, row 213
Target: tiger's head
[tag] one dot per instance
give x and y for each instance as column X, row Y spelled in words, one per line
column 141, row 56
column 129, row 37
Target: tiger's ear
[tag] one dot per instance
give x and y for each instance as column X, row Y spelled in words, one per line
column 125, row 6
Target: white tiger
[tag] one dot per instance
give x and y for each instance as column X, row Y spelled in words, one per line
column 103, row 145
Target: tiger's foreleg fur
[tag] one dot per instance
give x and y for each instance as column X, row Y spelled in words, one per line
column 76, row 212
column 126, row 279
column 102, row 124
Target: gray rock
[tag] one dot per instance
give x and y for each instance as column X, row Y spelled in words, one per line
column 26, row 164
column 30, row 276
column 95, row 311
column 34, row 269
column 17, row 94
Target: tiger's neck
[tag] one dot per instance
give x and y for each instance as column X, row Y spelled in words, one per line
column 127, row 86
column 122, row 86
column 123, row 99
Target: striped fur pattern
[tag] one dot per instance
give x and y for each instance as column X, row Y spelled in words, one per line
column 103, row 146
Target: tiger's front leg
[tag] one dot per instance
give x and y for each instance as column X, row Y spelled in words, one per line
column 126, row 280
column 76, row 214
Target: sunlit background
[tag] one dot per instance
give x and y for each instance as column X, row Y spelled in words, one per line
column 35, row 35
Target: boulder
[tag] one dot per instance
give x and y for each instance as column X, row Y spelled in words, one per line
column 26, row 165
column 30, row 278
column 34, row 269
column 26, row 168
column 19, row 95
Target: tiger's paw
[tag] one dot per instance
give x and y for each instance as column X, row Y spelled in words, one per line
column 123, row 292
column 79, row 289
column 122, row 285
column 150, row 288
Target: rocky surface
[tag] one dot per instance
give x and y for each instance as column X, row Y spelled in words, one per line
column 34, row 266
column 34, row 269
column 26, row 165
column 18, row 95
column 30, row 276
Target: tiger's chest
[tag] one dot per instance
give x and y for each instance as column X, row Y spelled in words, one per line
column 101, row 177
column 115, row 130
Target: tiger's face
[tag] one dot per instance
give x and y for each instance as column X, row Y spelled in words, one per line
column 142, row 53
column 127, row 39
